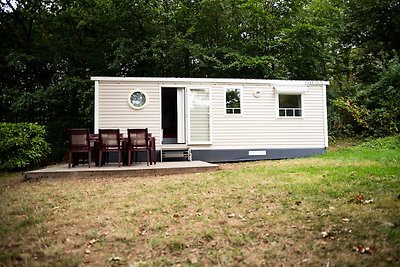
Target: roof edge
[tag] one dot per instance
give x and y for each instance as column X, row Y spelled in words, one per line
column 208, row 80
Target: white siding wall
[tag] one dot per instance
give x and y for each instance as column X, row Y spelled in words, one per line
column 115, row 112
column 259, row 127
column 256, row 127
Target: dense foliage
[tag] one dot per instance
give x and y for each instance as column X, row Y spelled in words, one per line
column 50, row 48
column 22, row 145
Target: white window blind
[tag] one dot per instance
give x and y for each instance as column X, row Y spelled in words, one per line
column 199, row 116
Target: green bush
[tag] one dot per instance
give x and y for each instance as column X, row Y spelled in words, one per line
column 373, row 110
column 22, row 146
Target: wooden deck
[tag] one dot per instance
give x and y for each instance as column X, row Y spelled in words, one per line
column 112, row 170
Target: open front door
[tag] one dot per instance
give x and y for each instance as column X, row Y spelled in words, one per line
column 173, row 115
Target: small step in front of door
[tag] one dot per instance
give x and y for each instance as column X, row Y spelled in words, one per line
column 178, row 152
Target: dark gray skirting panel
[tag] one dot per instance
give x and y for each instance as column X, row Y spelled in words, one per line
column 231, row 155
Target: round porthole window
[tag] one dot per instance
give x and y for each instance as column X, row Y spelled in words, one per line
column 137, row 99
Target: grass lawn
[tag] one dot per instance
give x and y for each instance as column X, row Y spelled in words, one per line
column 339, row 209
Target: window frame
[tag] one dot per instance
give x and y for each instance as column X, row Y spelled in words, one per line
column 240, row 101
column 189, row 120
column 138, row 91
column 278, row 108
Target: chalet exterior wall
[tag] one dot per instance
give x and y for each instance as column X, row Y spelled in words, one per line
column 257, row 127
column 115, row 112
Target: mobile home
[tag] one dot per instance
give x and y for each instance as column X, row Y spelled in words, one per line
column 218, row 120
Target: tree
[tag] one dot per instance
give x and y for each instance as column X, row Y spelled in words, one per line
column 50, row 48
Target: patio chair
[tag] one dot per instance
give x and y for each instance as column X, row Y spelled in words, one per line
column 138, row 141
column 152, row 145
column 78, row 142
column 109, row 141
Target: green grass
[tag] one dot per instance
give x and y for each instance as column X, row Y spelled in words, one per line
column 317, row 211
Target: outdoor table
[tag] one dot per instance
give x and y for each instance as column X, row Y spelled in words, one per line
column 94, row 141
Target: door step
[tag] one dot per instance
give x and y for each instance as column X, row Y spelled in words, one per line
column 176, row 152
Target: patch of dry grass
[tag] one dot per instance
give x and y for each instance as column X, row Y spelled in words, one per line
column 314, row 211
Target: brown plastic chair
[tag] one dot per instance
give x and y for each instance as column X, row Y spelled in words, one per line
column 79, row 142
column 138, row 141
column 152, row 145
column 109, row 141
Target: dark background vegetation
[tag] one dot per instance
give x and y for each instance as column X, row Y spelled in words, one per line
column 49, row 50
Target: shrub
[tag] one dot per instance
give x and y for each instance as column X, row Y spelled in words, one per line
column 22, row 146
column 374, row 109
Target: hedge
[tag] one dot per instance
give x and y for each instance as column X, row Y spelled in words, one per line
column 22, row 146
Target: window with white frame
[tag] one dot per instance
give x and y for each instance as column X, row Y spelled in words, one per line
column 290, row 105
column 232, row 101
column 199, row 116
column 137, row 99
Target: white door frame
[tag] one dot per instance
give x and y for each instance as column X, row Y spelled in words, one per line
column 181, row 115
column 181, row 102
